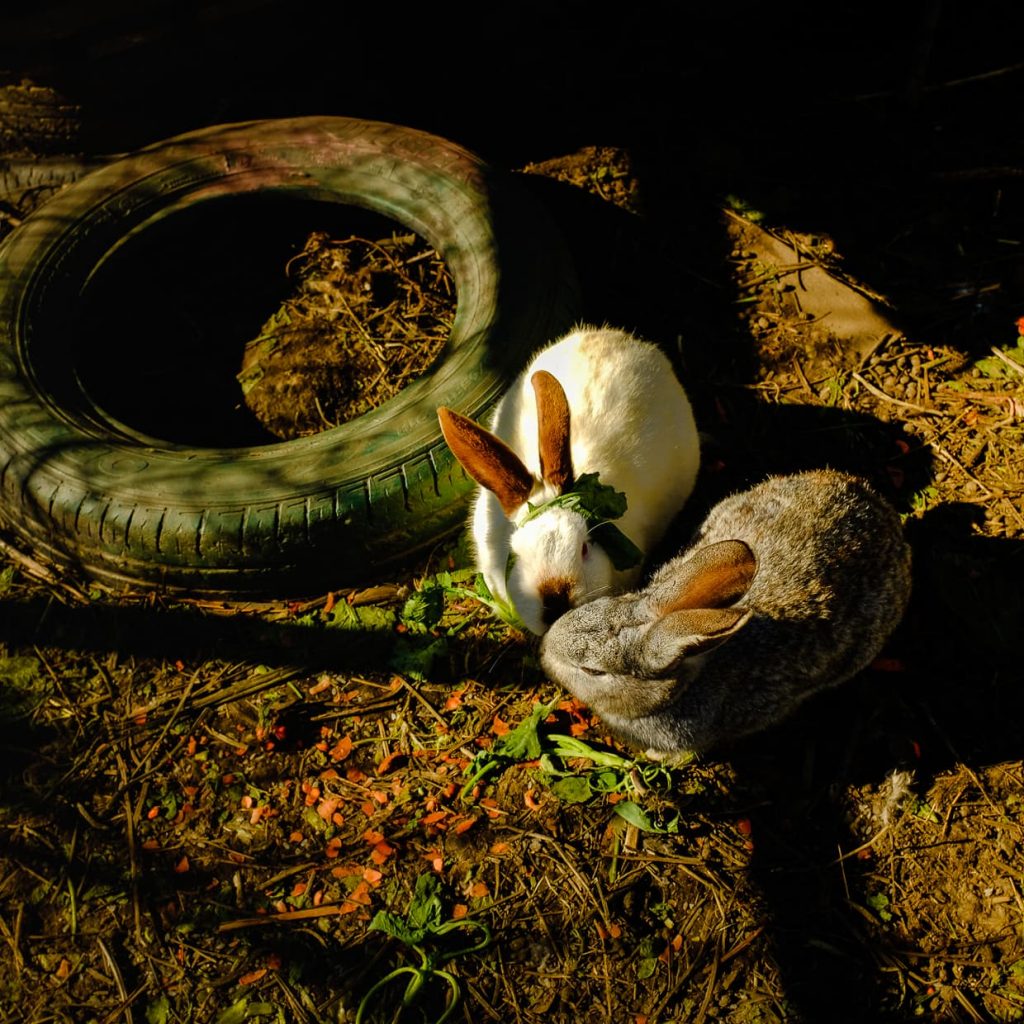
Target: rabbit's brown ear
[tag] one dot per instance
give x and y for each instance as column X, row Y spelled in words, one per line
column 683, row 634
column 553, row 431
column 487, row 459
column 715, row 576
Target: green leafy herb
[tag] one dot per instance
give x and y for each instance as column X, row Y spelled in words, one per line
column 997, row 366
column 424, row 921
column 523, row 743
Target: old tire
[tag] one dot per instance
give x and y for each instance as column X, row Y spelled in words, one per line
column 81, row 488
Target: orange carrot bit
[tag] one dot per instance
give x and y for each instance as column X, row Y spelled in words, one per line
column 677, row 942
column 151, row 844
column 454, row 700
column 434, row 817
column 191, row 748
column 319, row 687
column 346, row 870
column 329, row 775
column 358, row 897
column 601, row 933
column 341, row 749
column 318, row 897
column 499, row 849
column 744, row 827
column 381, row 852
column 63, row 968
column 368, row 808
column 153, row 812
column 373, row 837
column 182, row 866
column 333, row 847
column 329, row 603
column 373, row 876
column 529, row 800
column 389, row 762
column 479, row 890
column 463, row 825
column 499, row 727
column 614, row 930
column 380, row 796
column 396, row 683
column 338, row 819
column 459, row 911
column 326, row 808
column 274, row 961
column 296, row 836
column 355, row 775
column 435, row 859
column 299, row 888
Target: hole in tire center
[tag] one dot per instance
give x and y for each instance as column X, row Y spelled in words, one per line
column 254, row 319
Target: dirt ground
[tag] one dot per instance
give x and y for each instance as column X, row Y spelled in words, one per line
column 204, row 807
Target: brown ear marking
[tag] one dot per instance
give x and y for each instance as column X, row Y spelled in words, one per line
column 553, row 431
column 487, row 459
column 709, row 626
column 717, row 576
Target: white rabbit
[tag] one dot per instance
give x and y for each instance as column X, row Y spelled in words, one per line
column 597, row 401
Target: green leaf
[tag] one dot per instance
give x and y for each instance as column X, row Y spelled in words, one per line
column 425, row 910
column 423, row 917
column 424, row 607
column 6, row 579
column 369, row 617
column 414, row 655
column 234, row 1014
column 634, row 814
column 646, row 967
column 523, row 743
column 624, row 554
column 391, row 924
column 602, row 501
column 573, row 789
column 993, row 366
column 158, row 1010
column 879, row 903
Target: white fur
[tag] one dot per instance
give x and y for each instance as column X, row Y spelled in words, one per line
column 632, row 423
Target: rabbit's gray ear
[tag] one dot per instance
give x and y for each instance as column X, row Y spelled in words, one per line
column 683, row 634
column 553, row 431
column 487, row 459
column 714, row 576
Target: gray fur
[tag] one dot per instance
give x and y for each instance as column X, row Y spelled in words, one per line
column 826, row 580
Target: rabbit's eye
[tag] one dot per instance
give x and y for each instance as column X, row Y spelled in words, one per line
column 591, row 671
column 586, row 549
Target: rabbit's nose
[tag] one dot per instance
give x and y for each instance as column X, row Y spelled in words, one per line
column 555, row 599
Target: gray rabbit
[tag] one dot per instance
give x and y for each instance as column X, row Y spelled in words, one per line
column 787, row 589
